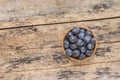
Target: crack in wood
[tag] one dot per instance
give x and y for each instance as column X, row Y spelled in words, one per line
column 107, row 18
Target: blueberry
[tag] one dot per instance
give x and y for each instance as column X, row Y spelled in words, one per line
column 90, row 46
column 73, row 46
column 66, row 44
column 82, row 30
column 69, row 52
column 72, row 39
column 80, row 42
column 82, row 56
column 69, row 34
column 89, row 33
column 76, row 53
column 75, row 30
column 81, row 35
column 83, row 49
column 88, row 53
column 93, row 40
column 87, row 38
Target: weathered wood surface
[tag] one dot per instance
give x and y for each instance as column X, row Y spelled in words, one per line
column 103, row 71
column 31, row 32
column 35, row 53
column 14, row 13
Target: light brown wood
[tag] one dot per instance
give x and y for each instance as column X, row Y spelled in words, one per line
column 14, row 13
column 31, row 32
column 34, row 53
column 100, row 71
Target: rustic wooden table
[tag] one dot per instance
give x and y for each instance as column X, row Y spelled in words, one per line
column 31, row 32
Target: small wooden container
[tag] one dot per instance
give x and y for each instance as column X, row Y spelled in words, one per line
column 75, row 59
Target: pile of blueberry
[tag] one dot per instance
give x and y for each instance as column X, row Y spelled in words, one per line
column 79, row 43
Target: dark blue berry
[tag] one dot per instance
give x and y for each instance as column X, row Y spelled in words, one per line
column 89, row 32
column 87, row 38
column 69, row 52
column 83, row 49
column 75, row 30
column 76, row 53
column 73, row 46
column 72, row 39
column 93, row 40
column 88, row 53
column 82, row 30
column 80, row 42
column 66, row 44
column 69, row 34
column 90, row 46
column 82, row 56
column 81, row 35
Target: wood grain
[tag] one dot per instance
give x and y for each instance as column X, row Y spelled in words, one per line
column 32, row 53
column 101, row 71
column 31, row 33
column 16, row 13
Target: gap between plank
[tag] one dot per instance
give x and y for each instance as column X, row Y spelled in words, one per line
column 61, row 23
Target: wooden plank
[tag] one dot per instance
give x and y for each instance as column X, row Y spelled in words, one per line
column 33, row 12
column 103, row 71
column 26, row 48
column 53, row 58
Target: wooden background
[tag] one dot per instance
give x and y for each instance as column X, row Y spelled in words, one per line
column 31, row 32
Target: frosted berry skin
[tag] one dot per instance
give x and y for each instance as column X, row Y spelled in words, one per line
column 73, row 46
column 79, row 43
column 69, row 52
column 82, row 30
column 69, row 34
column 93, row 41
column 89, row 32
column 87, row 38
column 72, row 39
column 66, row 44
column 75, row 30
column 81, row 35
column 90, row 46
column 83, row 49
column 76, row 53
column 82, row 56
column 88, row 53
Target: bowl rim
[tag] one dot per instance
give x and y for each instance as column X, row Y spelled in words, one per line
column 75, row 59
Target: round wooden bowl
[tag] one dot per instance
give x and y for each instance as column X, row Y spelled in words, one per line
column 75, row 59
